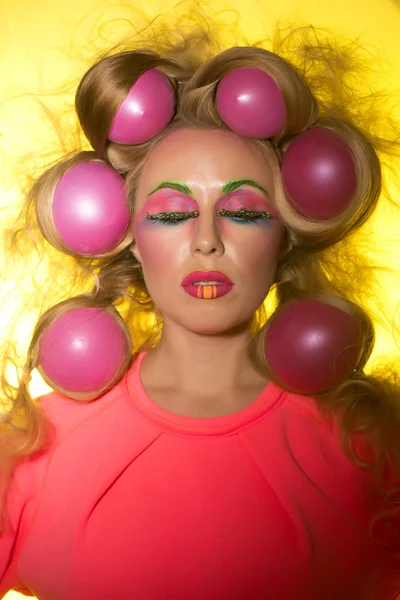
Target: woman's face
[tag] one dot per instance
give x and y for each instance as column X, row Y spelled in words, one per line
column 206, row 230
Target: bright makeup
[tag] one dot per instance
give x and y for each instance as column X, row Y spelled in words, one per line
column 199, row 172
column 246, row 195
column 168, row 203
column 207, row 285
column 166, row 200
column 171, row 203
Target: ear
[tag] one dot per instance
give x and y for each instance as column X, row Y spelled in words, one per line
column 286, row 245
column 135, row 251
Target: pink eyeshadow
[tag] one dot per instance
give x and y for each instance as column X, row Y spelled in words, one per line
column 170, row 201
column 246, row 199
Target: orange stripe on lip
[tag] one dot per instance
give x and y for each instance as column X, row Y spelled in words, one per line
column 207, row 292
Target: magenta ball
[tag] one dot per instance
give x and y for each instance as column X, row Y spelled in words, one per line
column 312, row 346
column 318, row 174
column 89, row 208
column 250, row 103
column 83, row 350
column 147, row 109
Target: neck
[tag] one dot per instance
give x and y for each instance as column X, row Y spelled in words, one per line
column 190, row 362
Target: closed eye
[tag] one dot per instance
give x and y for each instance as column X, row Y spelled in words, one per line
column 239, row 216
column 244, row 216
column 172, row 218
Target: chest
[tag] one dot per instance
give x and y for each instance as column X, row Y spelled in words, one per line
column 184, row 519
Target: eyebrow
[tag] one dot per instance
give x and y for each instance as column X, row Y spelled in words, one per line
column 172, row 185
column 234, row 184
column 230, row 186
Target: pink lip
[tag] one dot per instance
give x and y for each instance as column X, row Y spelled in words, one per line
column 207, row 292
column 196, row 276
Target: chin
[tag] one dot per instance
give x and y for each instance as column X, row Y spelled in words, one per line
column 216, row 325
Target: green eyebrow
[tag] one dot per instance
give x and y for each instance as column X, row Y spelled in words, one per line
column 230, row 186
column 233, row 185
column 173, row 185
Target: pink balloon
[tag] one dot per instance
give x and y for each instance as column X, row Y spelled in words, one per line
column 147, row 109
column 250, row 103
column 89, row 208
column 83, row 350
column 318, row 174
column 312, row 346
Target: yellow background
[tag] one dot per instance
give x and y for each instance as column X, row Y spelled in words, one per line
column 42, row 43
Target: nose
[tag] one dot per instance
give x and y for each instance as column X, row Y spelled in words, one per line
column 207, row 237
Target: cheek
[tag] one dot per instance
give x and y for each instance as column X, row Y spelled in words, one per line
column 162, row 247
column 155, row 251
column 152, row 256
column 262, row 234
column 256, row 247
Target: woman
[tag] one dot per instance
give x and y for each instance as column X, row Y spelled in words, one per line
column 211, row 462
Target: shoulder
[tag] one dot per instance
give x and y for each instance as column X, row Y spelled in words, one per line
column 63, row 416
column 65, row 413
column 314, row 441
column 311, row 427
column 74, row 424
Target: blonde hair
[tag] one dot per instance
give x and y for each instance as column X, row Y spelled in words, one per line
column 313, row 268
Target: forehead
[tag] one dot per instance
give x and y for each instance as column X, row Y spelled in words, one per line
column 201, row 157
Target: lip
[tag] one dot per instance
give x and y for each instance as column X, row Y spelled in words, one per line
column 196, row 276
column 207, row 292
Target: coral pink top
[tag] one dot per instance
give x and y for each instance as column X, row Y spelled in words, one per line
column 131, row 501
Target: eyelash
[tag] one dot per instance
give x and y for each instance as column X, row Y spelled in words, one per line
column 238, row 216
column 172, row 218
column 244, row 216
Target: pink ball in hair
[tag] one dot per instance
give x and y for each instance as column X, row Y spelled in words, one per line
column 250, row 103
column 319, row 174
column 146, row 111
column 82, row 350
column 89, row 208
column 312, row 346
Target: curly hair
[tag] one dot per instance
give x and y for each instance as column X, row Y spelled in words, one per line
column 327, row 260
